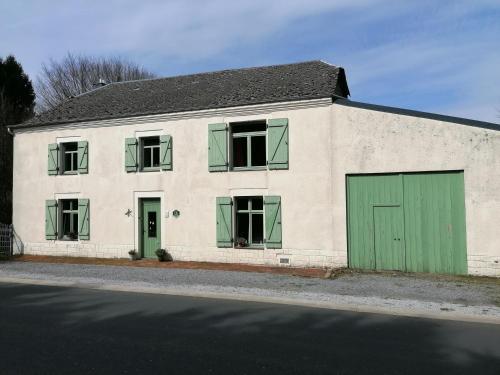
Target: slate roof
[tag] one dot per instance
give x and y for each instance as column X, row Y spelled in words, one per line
column 226, row 88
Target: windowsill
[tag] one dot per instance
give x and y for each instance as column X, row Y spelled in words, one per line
column 65, row 241
column 257, row 168
column 69, row 173
column 250, row 247
column 155, row 169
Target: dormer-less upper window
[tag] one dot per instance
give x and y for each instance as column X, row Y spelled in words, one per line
column 248, row 145
column 70, row 157
column 150, row 153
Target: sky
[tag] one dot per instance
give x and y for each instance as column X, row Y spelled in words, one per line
column 428, row 55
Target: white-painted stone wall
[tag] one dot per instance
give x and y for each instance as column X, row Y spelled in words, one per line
column 326, row 143
column 369, row 141
column 189, row 188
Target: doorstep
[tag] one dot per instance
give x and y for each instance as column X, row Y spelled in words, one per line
column 154, row 263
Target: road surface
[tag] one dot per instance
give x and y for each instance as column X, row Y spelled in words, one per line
column 57, row 330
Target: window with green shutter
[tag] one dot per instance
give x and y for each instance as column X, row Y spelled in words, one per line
column 68, row 158
column 224, row 220
column 67, row 219
column 147, row 154
column 272, row 208
column 277, row 144
column 217, row 147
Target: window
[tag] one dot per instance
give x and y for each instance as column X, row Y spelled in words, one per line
column 249, row 222
column 70, row 157
column 248, row 145
column 69, row 219
column 150, row 153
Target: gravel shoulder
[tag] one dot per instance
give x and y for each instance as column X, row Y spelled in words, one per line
column 440, row 295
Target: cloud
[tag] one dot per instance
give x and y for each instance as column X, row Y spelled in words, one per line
column 436, row 56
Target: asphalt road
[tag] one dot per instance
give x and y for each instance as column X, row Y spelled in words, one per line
column 55, row 330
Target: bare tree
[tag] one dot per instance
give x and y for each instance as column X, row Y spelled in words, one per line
column 75, row 75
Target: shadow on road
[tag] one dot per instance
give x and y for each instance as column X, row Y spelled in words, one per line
column 71, row 330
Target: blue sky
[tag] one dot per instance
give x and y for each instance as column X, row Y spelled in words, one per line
column 436, row 56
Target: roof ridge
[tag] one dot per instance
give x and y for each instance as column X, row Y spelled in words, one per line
column 223, row 70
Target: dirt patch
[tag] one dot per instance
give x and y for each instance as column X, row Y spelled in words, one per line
column 153, row 263
column 459, row 280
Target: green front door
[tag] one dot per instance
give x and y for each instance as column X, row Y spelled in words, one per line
column 407, row 221
column 150, row 224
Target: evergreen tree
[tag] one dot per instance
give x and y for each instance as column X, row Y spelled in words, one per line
column 17, row 100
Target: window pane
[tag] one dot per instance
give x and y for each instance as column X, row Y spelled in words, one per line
column 242, row 228
column 71, row 146
column 257, row 229
column 151, row 141
column 257, row 203
column 246, row 127
column 66, row 204
column 147, row 158
column 66, row 225
column 152, row 224
column 74, row 226
column 240, row 152
column 258, row 151
column 156, row 157
column 75, row 161
column 67, row 162
column 242, row 204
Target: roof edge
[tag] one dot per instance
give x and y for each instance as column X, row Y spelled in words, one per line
column 415, row 113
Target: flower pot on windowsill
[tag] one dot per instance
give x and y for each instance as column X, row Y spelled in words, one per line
column 133, row 255
column 240, row 243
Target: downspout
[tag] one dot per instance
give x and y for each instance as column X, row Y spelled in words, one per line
column 10, row 131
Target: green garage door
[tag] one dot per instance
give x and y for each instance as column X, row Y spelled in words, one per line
column 409, row 222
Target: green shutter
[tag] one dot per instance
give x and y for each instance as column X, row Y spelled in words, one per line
column 217, row 147
column 50, row 219
column 131, row 154
column 83, row 157
column 272, row 207
column 277, row 143
column 224, row 217
column 166, row 152
column 53, row 158
column 83, row 219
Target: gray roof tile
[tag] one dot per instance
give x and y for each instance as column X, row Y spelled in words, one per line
column 227, row 88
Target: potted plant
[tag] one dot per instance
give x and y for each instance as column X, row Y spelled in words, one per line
column 133, row 254
column 241, row 242
column 161, row 254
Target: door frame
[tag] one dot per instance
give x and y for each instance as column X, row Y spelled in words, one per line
column 137, row 202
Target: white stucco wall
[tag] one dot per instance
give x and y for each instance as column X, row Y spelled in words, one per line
column 189, row 188
column 369, row 141
column 326, row 143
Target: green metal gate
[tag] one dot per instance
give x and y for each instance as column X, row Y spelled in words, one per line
column 409, row 222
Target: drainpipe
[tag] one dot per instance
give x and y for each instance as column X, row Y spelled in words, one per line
column 10, row 131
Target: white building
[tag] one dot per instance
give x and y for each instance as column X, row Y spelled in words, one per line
column 270, row 165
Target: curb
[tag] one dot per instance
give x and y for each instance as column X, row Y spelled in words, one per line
column 414, row 313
